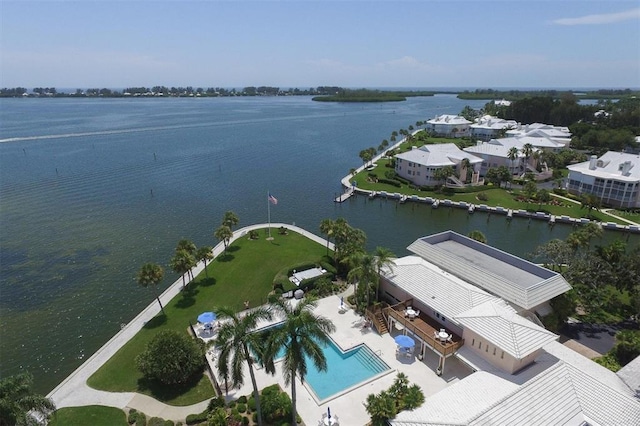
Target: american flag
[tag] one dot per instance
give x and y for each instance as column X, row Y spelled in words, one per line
column 272, row 199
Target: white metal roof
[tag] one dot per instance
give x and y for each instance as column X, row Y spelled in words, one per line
column 460, row 403
column 519, row 142
column 493, row 123
column 449, row 119
column 490, row 149
column 438, row 289
column 560, row 395
column 584, row 364
column 502, row 326
column 437, row 155
column 512, row 278
column 630, row 374
column 610, row 170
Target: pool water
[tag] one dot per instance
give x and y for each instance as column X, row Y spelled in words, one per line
column 344, row 369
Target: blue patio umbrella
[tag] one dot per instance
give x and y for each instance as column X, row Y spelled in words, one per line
column 207, row 317
column 405, row 341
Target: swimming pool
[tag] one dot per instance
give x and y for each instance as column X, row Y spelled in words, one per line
column 345, row 370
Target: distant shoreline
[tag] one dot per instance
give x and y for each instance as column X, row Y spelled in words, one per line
column 322, row 93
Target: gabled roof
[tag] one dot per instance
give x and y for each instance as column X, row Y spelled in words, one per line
column 438, row 155
column 502, row 326
column 516, row 280
column 440, row 290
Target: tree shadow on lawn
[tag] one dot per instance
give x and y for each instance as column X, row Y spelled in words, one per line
column 188, row 297
column 225, row 257
column 164, row 392
column 207, row 282
column 157, row 321
column 233, row 249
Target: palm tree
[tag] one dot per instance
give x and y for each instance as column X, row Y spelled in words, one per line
column 512, row 154
column 464, row 166
column 383, row 259
column 326, row 227
column 224, row 234
column 18, row 402
column 205, row 254
column 443, row 173
column 590, row 202
column 151, row 274
column 230, row 219
column 190, row 247
column 301, row 335
column 237, row 343
column 527, row 150
column 181, row 263
column 361, row 274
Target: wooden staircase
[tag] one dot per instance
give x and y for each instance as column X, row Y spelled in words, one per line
column 380, row 323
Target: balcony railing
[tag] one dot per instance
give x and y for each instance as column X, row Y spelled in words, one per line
column 425, row 328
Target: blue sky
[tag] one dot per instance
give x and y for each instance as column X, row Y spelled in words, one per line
column 515, row 43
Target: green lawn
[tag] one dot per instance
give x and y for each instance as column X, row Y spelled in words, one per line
column 496, row 197
column 94, row 415
column 628, row 214
column 245, row 273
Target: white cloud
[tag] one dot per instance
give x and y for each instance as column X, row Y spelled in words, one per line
column 604, row 18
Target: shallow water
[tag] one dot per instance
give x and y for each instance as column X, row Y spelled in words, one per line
column 90, row 189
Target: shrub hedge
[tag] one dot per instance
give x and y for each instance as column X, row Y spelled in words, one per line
column 193, row 419
column 390, row 182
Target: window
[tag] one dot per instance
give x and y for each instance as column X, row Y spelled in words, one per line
column 443, row 319
column 479, row 345
column 487, row 348
column 473, row 342
column 494, row 351
column 502, row 356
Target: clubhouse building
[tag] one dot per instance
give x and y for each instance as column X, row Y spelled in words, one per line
column 489, row 303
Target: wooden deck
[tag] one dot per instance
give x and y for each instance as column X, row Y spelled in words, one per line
column 425, row 328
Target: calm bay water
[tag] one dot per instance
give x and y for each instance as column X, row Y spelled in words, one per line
column 90, row 189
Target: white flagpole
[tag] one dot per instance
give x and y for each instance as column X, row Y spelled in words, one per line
column 269, row 212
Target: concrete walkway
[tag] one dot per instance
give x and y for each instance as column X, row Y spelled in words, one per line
column 74, row 391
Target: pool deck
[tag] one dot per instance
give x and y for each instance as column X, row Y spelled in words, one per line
column 349, row 407
column 74, row 391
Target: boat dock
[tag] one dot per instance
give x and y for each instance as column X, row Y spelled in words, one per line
column 344, row 196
